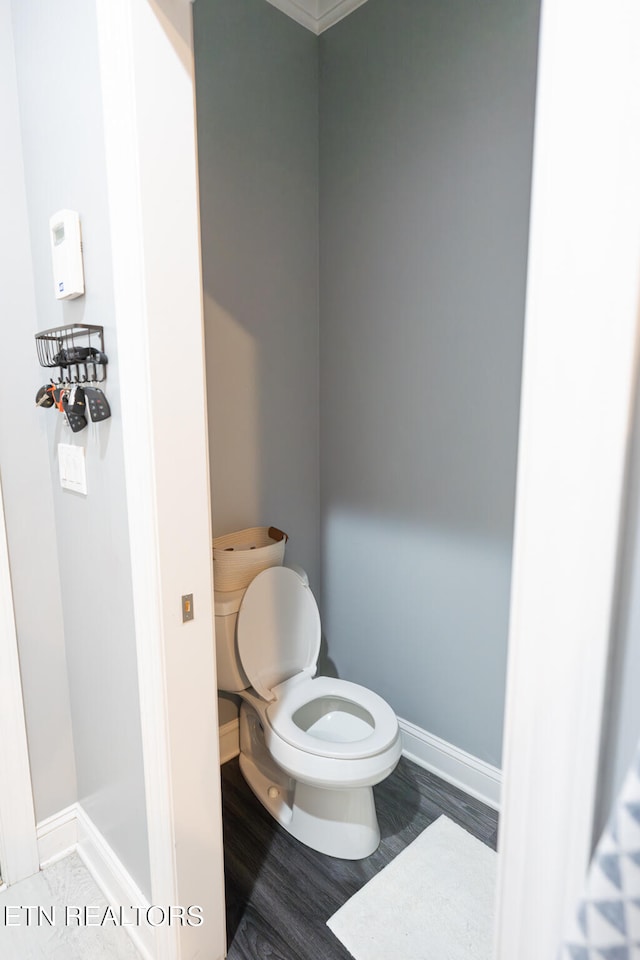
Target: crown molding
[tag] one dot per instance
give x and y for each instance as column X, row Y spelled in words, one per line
column 316, row 15
column 297, row 12
column 331, row 12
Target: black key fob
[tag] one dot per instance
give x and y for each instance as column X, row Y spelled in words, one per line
column 77, row 421
column 99, row 408
column 73, row 407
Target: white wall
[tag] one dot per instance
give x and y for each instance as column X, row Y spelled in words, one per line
column 24, row 451
column 62, row 135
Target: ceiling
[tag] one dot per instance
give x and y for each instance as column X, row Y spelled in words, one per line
column 317, row 15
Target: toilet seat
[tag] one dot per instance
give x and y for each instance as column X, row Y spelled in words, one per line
column 379, row 730
column 278, row 630
column 278, row 634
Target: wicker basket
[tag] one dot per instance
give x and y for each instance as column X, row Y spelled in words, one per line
column 241, row 556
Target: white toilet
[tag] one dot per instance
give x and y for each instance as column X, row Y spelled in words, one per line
column 310, row 749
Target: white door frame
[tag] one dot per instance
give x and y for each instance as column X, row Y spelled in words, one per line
column 578, row 366
column 18, row 847
column 578, row 378
column 146, row 64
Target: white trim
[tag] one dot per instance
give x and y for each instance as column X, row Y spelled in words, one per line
column 116, row 883
column 317, row 15
column 298, row 13
column 18, row 846
column 477, row 778
column 57, row 835
column 121, row 131
column 334, row 12
column 229, row 737
column 146, row 59
column 580, row 344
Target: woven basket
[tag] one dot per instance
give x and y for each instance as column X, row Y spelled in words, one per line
column 241, row 556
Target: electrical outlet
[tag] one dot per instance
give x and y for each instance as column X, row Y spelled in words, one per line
column 187, row 607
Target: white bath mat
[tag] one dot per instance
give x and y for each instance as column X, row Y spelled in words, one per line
column 435, row 901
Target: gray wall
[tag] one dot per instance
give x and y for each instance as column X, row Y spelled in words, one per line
column 61, row 118
column 257, row 104
column 426, row 125
column 25, row 479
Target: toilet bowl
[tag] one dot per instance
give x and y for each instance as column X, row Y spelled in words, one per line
column 311, row 748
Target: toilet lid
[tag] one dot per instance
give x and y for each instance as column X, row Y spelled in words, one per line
column 278, row 629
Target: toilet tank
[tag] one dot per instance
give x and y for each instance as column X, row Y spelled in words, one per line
column 231, row 676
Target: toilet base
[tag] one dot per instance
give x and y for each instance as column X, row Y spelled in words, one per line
column 338, row 823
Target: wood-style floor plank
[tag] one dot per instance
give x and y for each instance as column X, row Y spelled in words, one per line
column 280, row 893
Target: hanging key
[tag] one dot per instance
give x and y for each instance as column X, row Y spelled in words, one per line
column 76, row 402
column 44, row 397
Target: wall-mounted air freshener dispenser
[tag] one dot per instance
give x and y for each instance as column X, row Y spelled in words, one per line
column 66, row 253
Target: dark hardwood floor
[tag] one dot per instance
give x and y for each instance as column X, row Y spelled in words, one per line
column 280, row 893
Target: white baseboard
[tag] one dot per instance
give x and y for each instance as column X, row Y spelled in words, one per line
column 114, row 880
column 229, row 734
column 57, row 836
column 72, row 830
column 477, row 778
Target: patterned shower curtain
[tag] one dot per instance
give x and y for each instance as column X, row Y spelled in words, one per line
column 607, row 923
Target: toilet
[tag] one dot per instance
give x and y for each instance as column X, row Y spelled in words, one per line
column 311, row 748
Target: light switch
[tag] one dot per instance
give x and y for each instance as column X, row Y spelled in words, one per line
column 72, row 467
